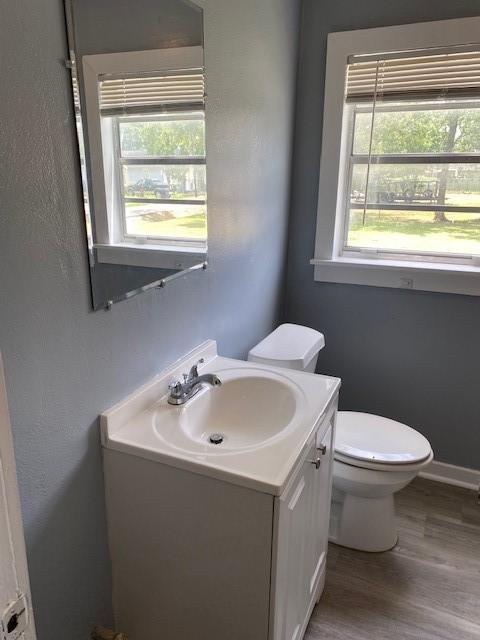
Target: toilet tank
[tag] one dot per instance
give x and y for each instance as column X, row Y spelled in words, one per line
column 291, row 346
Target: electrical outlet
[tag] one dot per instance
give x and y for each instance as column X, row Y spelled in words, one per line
column 406, row 283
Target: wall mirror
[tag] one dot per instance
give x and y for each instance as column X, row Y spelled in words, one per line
column 138, row 83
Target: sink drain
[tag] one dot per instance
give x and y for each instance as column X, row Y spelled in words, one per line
column 216, row 438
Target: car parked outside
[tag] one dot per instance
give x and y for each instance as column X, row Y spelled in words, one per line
column 149, row 185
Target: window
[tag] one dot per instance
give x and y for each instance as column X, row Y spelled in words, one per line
column 146, row 132
column 407, row 196
column 414, row 161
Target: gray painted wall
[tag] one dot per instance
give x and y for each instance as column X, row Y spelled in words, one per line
column 64, row 363
column 149, row 25
column 408, row 355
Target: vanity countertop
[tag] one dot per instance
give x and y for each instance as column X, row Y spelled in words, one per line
column 145, row 425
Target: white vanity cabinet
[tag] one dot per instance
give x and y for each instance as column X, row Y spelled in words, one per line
column 301, row 537
column 195, row 556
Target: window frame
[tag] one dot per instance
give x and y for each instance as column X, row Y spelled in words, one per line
column 110, row 242
column 370, row 267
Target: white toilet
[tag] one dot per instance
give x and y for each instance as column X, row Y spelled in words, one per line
column 374, row 457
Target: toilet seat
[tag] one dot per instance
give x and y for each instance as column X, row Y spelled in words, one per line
column 413, row 467
column 373, row 442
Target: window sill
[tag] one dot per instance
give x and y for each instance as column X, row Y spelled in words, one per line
column 421, row 276
column 150, row 255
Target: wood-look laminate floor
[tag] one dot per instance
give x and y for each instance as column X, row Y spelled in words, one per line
column 426, row 588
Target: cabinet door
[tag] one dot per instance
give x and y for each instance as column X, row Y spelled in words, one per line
column 321, row 508
column 301, row 537
column 294, row 553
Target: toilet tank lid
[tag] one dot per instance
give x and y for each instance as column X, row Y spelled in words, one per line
column 289, row 343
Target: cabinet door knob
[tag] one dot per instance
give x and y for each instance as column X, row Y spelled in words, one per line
column 316, row 462
column 322, row 449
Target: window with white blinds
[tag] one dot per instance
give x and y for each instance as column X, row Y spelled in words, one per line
column 168, row 91
column 399, row 180
column 414, row 76
column 155, row 127
column 146, row 133
column 413, row 166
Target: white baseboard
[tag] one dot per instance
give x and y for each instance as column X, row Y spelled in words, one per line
column 451, row 474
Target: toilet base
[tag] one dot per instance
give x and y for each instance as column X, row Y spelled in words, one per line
column 366, row 524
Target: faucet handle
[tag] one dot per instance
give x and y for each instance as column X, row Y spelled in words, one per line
column 194, row 370
column 175, row 387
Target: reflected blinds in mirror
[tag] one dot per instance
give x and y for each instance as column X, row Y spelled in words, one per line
column 168, row 91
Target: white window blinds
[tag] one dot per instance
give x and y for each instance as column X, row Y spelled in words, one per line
column 414, row 75
column 168, row 91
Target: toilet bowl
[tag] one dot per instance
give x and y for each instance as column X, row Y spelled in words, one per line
column 374, row 456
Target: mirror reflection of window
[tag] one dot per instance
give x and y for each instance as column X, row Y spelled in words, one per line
column 158, row 155
column 146, row 133
column 141, row 126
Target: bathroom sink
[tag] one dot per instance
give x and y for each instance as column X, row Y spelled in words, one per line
column 249, row 431
column 248, row 410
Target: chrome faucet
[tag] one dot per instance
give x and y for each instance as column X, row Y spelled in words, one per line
column 183, row 390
